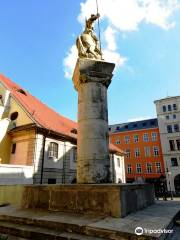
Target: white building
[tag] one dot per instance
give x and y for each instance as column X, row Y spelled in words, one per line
column 38, row 145
column 168, row 114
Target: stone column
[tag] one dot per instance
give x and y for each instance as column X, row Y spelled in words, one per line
column 91, row 79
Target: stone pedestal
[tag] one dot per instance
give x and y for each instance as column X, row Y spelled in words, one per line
column 115, row 200
column 91, row 79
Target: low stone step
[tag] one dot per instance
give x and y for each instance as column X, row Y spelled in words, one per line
column 20, row 232
column 65, row 225
column 10, row 237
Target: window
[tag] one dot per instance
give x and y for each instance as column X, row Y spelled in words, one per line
column 145, row 137
column 117, row 141
column 134, row 125
column 149, row 167
column 137, row 152
column 156, row 151
column 169, row 128
column 51, row 181
column 129, row 169
column 138, row 168
column 74, row 131
column 174, row 162
column 174, row 116
column 109, row 129
column 144, row 124
column 174, row 106
column 167, row 117
column 158, row 167
column 178, row 144
column 176, row 127
column 153, row 123
column 126, row 126
column 136, row 138
column 13, row 150
column 128, row 153
column 169, row 108
column 14, row 116
column 21, row 91
column 53, row 150
column 154, row 136
column 1, row 98
column 172, row 145
column 147, row 152
column 127, row 139
column 117, row 128
column 118, row 162
column 164, row 108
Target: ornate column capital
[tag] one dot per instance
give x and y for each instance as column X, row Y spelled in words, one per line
column 88, row 70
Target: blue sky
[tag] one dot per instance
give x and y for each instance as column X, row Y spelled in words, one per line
column 141, row 36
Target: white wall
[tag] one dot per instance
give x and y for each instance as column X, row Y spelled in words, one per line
column 5, row 98
column 165, row 136
column 58, row 168
column 4, row 122
column 117, row 172
column 15, row 174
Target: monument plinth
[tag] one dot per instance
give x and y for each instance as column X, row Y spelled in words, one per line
column 91, row 79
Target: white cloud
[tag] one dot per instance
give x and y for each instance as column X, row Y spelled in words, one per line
column 110, row 54
column 70, row 61
column 123, row 16
column 114, row 57
column 158, row 13
column 126, row 15
column 109, row 35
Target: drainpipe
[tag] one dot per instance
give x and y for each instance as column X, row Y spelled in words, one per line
column 64, row 162
column 42, row 165
column 113, row 169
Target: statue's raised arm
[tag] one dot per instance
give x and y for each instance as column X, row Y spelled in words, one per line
column 91, row 20
column 87, row 43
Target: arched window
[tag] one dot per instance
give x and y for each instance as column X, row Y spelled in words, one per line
column 53, row 150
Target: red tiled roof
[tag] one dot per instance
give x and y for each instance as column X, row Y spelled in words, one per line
column 115, row 149
column 39, row 112
column 43, row 115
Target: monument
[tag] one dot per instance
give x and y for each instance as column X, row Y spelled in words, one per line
column 91, row 78
column 93, row 193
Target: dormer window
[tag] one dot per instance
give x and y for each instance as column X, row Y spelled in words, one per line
column 20, row 90
column 74, row 131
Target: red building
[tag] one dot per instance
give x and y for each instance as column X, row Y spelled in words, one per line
column 141, row 142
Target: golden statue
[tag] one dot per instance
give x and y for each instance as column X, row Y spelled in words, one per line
column 87, row 43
